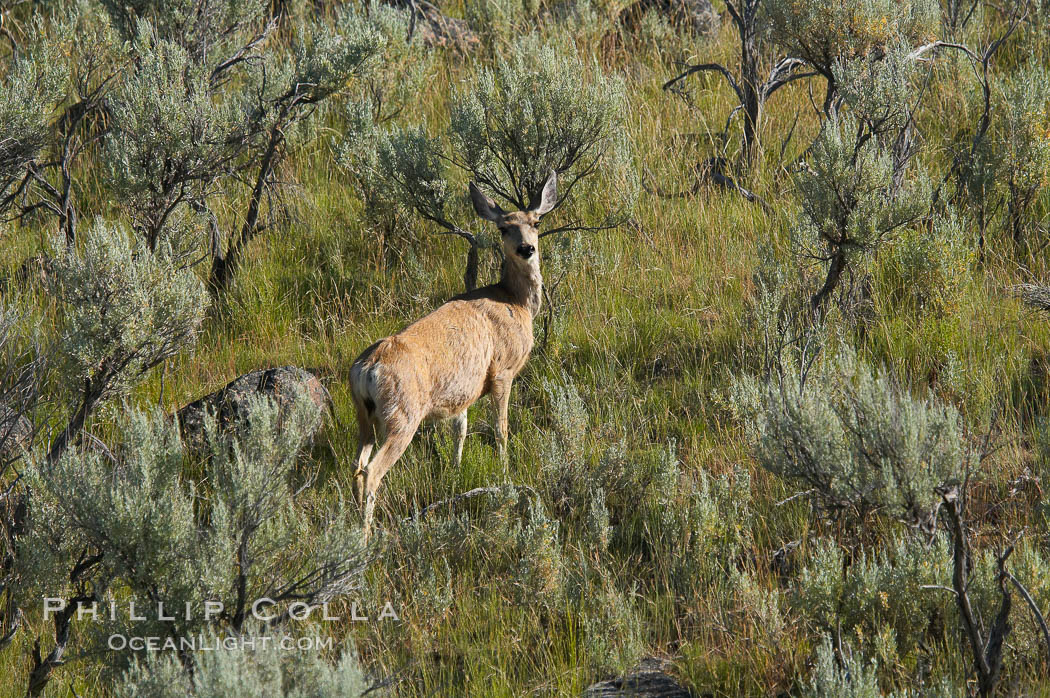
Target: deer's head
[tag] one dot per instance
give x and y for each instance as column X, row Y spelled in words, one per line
column 517, row 229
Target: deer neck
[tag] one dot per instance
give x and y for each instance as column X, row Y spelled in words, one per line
column 524, row 284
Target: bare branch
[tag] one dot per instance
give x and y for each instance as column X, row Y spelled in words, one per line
column 456, row 499
column 1032, row 606
column 718, row 67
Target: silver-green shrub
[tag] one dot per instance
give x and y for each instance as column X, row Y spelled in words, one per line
column 120, row 310
column 411, row 172
column 499, row 21
column 73, row 60
column 851, row 199
column 539, row 576
column 518, row 544
column 326, row 57
column 30, row 90
column 178, row 130
column 878, row 593
column 822, row 32
column 849, row 673
column 854, row 436
column 23, row 365
column 210, row 33
column 926, row 268
column 532, row 114
column 614, row 498
column 123, row 309
column 280, row 93
column 1011, row 163
column 879, row 91
column 166, row 529
column 846, row 677
column 564, row 449
column 172, row 136
column 613, row 631
column 601, row 491
column 540, row 108
column 178, row 103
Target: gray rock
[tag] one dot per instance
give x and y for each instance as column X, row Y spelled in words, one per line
column 232, row 404
column 434, row 28
column 448, row 32
column 695, row 16
column 648, row 680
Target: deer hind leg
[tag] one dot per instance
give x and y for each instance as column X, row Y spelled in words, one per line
column 366, row 439
column 397, row 440
column 459, row 434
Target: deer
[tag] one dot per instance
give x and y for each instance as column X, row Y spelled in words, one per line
column 473, row 345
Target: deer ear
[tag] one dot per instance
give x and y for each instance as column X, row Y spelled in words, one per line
column 550, row 195
column 485, row 206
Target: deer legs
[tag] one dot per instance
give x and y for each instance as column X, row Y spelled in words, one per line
column 369, row 473
column 500, row 404
column 366, row 439
column 459, row 435
column 367, row 478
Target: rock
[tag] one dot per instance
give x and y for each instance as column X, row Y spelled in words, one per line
column 435, row 29
column 698, row 17
column 1035, row 296
column 16, row 433
column 448, row 32
column 232, row 404
column 648, row 680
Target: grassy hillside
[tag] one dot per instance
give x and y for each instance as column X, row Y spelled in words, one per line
column 635, row 519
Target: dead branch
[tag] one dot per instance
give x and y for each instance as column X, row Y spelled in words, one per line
column 987, row 656
column 1039, row 618
column 462, row 496
column 702, row 67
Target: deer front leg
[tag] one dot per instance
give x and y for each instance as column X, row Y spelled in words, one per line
column 500, row 403
column 459, row 434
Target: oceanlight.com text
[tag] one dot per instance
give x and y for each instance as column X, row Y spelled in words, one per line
column 203, row 643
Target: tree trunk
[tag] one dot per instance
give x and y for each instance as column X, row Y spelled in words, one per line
column 40, row 674
column 219, row 277
column 838, row 264
column 470, row 275
column 752, row 113
column 987, row 655
column 830, row 96
column 91, row 397
column 749, row 85
column 223, row 265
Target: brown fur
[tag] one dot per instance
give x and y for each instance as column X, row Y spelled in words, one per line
column 437, row 367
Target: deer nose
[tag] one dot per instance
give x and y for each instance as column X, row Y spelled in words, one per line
column 525, row 251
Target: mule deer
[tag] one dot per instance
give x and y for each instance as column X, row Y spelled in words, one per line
column 437, row 367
